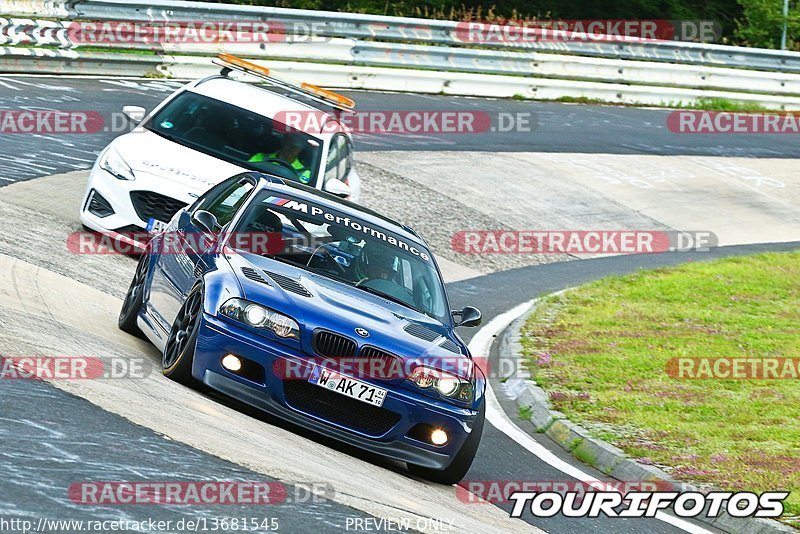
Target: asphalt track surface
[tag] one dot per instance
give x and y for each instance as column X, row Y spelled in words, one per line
column 554, row 127
column 43, row 452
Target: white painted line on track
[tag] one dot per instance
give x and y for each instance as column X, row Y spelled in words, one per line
column 481, row 344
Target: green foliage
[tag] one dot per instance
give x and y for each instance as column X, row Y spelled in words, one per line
column 722, row 104
column 750, row 22
column 762, row 24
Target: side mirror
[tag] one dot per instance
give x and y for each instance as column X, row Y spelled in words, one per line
column 469, row 316
column 205, row 221
column 338, row 188
column 135, row 114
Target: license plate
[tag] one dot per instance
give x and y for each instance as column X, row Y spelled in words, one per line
column 155, row 226
column 349, row 387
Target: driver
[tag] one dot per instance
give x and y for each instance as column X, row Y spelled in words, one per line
column 289, row 151
column 380, row 275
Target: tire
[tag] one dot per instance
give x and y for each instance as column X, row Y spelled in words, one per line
column 178, row 355
column 134, row 299
column 455, row 472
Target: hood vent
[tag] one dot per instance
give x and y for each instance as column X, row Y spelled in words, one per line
column 289, row 284
column 450, row 345
column 253, row 275
column 422, row 332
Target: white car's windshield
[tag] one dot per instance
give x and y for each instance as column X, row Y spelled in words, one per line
column 238, row 136
column 349, row 250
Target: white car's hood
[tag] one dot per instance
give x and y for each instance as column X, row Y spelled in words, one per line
column 146, row 152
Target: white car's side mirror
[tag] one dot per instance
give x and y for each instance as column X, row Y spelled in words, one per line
column 338, row 188
column 135, row 114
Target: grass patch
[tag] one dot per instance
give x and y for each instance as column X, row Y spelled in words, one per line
column 701, row 104
column 582, row 100
column 722, row 104
column 601, row 353
column 525, row 412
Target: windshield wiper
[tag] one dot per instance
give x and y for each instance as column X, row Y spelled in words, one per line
column 286, row 261
column 166, row 136
column 306, row 268
column 387, row 296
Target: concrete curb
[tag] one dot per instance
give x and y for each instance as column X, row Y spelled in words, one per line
column 604, row 457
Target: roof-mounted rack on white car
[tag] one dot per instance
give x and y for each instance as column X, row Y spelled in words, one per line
column 323, row 96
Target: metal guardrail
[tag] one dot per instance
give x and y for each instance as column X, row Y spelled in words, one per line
column 366, row 41
column 23, row 60
column 21, row 32
column 400, row 29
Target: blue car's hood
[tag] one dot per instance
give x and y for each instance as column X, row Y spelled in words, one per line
column 341, row 308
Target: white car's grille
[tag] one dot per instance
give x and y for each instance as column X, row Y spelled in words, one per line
column 153, row 205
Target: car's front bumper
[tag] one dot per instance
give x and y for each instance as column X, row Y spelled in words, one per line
column 117, row 193
column 217, row 338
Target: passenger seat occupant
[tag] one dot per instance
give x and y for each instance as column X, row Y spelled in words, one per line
column 289, row 152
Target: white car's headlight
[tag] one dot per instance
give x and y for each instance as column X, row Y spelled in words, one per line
column 259, row 316
column 112, row 162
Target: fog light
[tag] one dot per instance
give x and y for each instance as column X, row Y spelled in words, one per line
column 438, row 437
column 232, row 363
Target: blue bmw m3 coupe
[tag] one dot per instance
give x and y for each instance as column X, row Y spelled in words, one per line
column 318, row 311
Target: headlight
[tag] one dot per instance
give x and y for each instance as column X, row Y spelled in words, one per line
column 445, row 383
column 259, row 316
column 256, row 315
column 112, row 162
column 283, row 326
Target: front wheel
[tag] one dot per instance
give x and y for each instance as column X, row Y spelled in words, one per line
column 179, row 350
column 455, row 472
column 134, row 299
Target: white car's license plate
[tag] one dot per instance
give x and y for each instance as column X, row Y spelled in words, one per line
column 349, row 387
column 156, row 227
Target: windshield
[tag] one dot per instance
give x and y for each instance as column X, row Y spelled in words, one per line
column 238, row 136
column 346, row 249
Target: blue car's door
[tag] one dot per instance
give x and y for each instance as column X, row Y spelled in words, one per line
column 175, row 270
column 188, row 252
